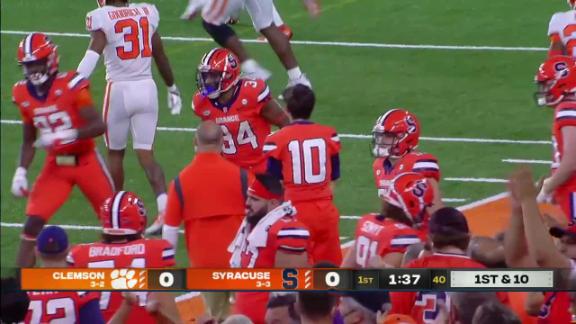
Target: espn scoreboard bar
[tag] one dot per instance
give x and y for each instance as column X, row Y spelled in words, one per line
column 290, row 279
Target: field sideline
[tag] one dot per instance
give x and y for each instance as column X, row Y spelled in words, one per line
column 468, row 80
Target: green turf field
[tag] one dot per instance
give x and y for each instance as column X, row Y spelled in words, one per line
column 485, row 94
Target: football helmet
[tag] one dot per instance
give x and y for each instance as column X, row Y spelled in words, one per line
column 555, row 78
column 123, row 214
column 38, row 56
column 219, row 70
column 395, row 133
column 411, row 192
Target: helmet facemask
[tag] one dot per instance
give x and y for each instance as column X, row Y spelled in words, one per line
column 210, row 82
column 37, row 72
column 385, row 144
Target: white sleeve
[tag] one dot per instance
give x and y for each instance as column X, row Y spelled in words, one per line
column 170, row 234
column 93, row 21
column 556, row 23
column 154, row 16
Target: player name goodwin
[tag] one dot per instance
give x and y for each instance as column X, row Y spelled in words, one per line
column 502, row 279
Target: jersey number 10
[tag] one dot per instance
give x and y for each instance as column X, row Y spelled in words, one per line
column 132, row 37
column 308, row 161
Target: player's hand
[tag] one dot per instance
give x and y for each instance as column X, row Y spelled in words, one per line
column 174, row 100
column 522, row 184
column 313, row 7
column 20, row 183
column 545, row 194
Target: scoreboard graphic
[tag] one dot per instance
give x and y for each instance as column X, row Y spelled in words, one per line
column 290, row 279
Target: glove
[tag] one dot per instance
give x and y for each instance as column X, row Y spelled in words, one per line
column 50, row 139
column 174, row 100
column 544, row 196
column 20, row 183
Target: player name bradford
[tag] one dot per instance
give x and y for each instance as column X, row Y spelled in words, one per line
column 78, row 275
column 241, row 275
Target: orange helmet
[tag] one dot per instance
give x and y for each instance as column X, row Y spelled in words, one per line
column 219, row 70
column 402, row 127
column 555, row 78
column 37, row 48
column 411, row 192
column 123, row 214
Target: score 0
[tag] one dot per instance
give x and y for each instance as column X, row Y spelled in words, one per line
column 166, row 279
column 332, row 279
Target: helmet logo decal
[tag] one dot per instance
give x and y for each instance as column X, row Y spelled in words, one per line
column 561, row 68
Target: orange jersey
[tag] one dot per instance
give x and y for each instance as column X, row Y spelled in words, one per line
column 556, row 308
column 241, row 120
column 306, row 156
column 422, row 305
column 57, row 306
column 423, row 163
column 59, row 110
column 142, row 253
column 287, row 235
column 564, row 115
column 377, row 235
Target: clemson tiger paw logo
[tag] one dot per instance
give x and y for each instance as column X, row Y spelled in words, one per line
column 123, row 279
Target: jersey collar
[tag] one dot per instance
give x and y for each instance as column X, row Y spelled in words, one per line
column 228, row 105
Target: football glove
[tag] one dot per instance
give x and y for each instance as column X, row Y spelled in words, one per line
column 20, row 183
column 174, row 100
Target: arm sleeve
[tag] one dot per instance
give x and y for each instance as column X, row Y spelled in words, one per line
column 274, row 162
column 168, row 254
column 293, row 237
column 555, row 25
column 93, row 21
column 399, row 243
column 26, row 119
column 90, row 313
column 428, row 166
column 263, row 96
column 566, row 117
column 335, row 159
column 174, row 204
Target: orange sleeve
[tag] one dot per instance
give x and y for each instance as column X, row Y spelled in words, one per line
column 173, row 215
column 84, row 99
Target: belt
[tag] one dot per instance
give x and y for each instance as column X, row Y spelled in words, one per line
column 66, row 160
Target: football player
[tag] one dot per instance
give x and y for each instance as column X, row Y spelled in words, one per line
column 556, row 80
column 243, row 108
column 123, row 219
column 382, row 239
column 305, row 155
column 127, row 34
column 215, row 14
column 395, row 139
column 449, row 236
column 561, row 32
column 60, row 306
column 269, row 237
column 195, row 6
column 58, row 115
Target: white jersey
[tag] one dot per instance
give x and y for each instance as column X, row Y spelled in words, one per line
column 563, row 24
column 128, row 30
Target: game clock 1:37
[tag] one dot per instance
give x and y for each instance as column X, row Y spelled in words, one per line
column 409, row 279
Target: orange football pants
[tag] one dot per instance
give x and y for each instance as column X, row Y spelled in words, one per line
column 322, row 219
column 55, row 182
